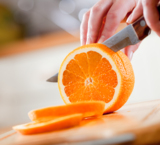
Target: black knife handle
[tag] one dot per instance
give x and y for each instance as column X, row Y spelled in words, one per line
column 141, row 27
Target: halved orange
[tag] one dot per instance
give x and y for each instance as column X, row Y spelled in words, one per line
column 95, row 72
column 91, row 108
column 52, row 125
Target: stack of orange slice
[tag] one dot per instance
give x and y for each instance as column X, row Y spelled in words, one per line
column 60, row 117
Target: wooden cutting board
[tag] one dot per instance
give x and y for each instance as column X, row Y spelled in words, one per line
column 141, row 120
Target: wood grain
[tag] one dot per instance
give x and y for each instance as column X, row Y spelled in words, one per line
column 142, row 119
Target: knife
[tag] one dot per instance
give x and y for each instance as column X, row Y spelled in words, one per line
column 130, row 35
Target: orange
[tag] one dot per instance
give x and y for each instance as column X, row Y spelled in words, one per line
column 95, row 72
column 52, row 125
column 92, row 108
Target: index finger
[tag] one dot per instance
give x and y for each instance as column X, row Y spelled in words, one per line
column 84, row 28
column 115, row 15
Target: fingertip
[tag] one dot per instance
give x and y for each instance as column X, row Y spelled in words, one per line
column 136, row 13
column 82, row 43
column 88, row 41
column 129, row 52
column 130, row 55
column 101, row 39
column 158, row 33
column 82, row 40
column 84, row 28
column 129, row 19
column 123, row 50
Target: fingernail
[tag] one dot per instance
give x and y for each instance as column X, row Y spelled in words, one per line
column 130, row 55
column 88, row 41
column 123, row 50
column 82, row 43
column 83, row 40
column 129, row 19
column 102, row 38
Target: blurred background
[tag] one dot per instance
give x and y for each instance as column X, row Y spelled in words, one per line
column 35, row 36
column 28, row 18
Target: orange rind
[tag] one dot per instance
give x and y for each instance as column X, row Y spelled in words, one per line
column 88, row 109
column 51, row 125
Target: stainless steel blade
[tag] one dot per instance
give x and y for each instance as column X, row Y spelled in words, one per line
column 123, row 38
column 53, row 78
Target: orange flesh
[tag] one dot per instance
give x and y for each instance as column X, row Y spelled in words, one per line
column 87, row 109
column 89, row 76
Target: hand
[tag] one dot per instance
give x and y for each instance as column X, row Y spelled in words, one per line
column 149, row 10
column 113, row 12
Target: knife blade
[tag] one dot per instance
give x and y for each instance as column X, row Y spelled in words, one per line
column 125, row 37
column 130, row 35
column 53, row 78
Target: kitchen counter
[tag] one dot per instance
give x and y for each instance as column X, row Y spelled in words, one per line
column 132, row 124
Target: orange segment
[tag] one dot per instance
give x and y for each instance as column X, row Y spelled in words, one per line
column 95, row 94
column 70, row 78
column 95, row 108
column 82, row 60
column 109, row 77
column 71, row 89
column 103, row 67
column 73, row 67
column 93, row 60
column 52, row 125
column 106, row 92
column 87, row 94
column 77, row 96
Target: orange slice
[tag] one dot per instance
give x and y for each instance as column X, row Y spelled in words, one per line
column 95, row 72
column 93, row 108
column 52, row 125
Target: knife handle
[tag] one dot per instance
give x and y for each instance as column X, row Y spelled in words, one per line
column 141, row 27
